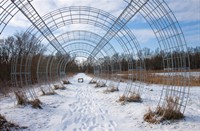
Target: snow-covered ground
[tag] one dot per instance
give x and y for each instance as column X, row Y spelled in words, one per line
column 81, row 107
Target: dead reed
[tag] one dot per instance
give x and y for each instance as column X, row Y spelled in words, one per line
column 47, row 93
column 100, row 84
column 61, row 87
column 22, row 100
column 36, row 104
column 169, row 112
column 92, row 82
column 134, row 97
column 152, row 78
column 8, row 126
column 66, row 82
column 112, row 89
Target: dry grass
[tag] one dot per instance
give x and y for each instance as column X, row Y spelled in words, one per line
column 134, row 97
column 22, row 100
column 100, row 84
column 8, row 126
column 36, row 103
column 112, row 89
column 56, row 87
column 47, row 93
column 122, row 98
column 170, row 112
column 152, row 78
column 151, row 117
column 66, row 82
column 92, row 82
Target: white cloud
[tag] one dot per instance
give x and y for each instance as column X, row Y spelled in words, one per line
column 143, row 35
column 185, row 10
column 20, row 21
column 43, row 7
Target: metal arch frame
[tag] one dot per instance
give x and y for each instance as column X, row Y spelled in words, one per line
column 8, row 12
column 85, row 36
column 115, row 66
column 66, row 40
column 71, row 51
column 171, row 39
column 102, row 20
column 130, row 37
column 32, row 15
column 165, row 36
column 80, row 43
column 126, row 41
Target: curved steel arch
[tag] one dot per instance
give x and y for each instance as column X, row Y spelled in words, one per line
column 85, row 36
column 81, row 46
column 103, row 20
column 96, row 17
column 127, row 40
column 171, row 39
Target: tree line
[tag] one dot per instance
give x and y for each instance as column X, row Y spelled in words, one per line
column 23, row 43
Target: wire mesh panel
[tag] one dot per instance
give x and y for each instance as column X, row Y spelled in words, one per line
column 172, row 43
column 115, row 73
column 54, row 71
column 104, row 72
column 21, row 77
column 43, row 74
column 32, row 15
column 175, row 59
column 156, row 13
column 136, row 77
column 96, row 72
column 7, row 12
column 95, row 17
column 62, row 72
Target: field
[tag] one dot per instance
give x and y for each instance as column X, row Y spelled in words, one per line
column 82, row 107
column 159, row 77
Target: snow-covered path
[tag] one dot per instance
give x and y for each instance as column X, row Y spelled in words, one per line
column 85, row 113
column 81, row 107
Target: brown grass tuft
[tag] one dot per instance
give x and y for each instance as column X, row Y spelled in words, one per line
column 66, row 82
column 92, row 82
column 132, row 98
column 113, row 89
column 151, row 117
column 169, row 112
column 56, row 87
column 21, row 99
column 36, row 104
column 122, row 98
column 8, row 126
column 100, row 85
column 152, row 78
column 48, row 93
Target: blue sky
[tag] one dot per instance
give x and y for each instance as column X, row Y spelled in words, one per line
column 186, row 11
